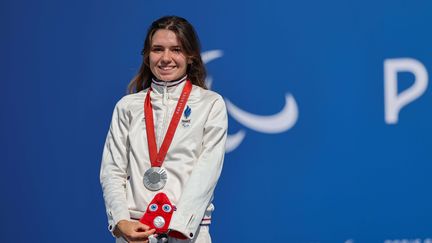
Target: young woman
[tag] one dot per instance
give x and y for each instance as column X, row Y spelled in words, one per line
column 167, row 136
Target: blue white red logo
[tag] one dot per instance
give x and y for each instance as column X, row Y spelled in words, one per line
column 186, row 121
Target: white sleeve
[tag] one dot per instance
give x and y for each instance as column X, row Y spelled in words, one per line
column 198, row 191
column 114, row 166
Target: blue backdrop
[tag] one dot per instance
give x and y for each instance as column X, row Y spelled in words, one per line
column 312, row 156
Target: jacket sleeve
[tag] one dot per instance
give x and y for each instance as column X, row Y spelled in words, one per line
column 114, row 164
column 198, row 191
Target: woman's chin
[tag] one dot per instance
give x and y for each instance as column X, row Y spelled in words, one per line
column 169, row 77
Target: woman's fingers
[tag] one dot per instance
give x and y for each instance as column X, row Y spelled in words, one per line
column 141, row 227
column 135, row 232
column 142, row 235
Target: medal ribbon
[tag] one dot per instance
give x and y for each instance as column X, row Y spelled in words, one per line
column 157, row 158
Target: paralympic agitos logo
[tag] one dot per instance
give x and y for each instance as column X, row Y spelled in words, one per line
column 276, row 123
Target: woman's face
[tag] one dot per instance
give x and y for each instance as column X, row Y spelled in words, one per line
column 167, row 60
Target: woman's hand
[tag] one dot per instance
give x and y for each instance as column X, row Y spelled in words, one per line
column 133, row 231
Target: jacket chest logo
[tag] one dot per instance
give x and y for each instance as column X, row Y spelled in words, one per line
column 186, row 121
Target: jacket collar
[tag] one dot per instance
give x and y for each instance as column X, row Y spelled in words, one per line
column 172, row 88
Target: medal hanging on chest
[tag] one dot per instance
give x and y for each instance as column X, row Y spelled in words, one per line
column 156, row 177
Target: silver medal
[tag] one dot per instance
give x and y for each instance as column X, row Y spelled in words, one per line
column 155, row 178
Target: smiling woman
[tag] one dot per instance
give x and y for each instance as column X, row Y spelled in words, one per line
column 158, row 176
column 170, row 41
column 167, row 61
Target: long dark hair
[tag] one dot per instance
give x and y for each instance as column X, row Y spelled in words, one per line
column 190, row 44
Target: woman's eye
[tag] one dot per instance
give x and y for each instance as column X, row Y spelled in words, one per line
column 177, row 50
column 156, row 49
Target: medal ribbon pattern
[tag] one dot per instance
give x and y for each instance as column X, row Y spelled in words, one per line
column 157, row 158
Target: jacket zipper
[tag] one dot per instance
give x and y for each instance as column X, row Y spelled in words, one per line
column 165, row 102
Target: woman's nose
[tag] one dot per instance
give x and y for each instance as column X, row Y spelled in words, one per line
column 166, row 56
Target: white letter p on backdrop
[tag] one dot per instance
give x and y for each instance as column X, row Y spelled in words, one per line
column 393, row 102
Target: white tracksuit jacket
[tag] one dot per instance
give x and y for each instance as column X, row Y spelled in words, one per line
column 193, row 162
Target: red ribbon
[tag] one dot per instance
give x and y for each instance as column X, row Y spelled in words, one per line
column 157, row 158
